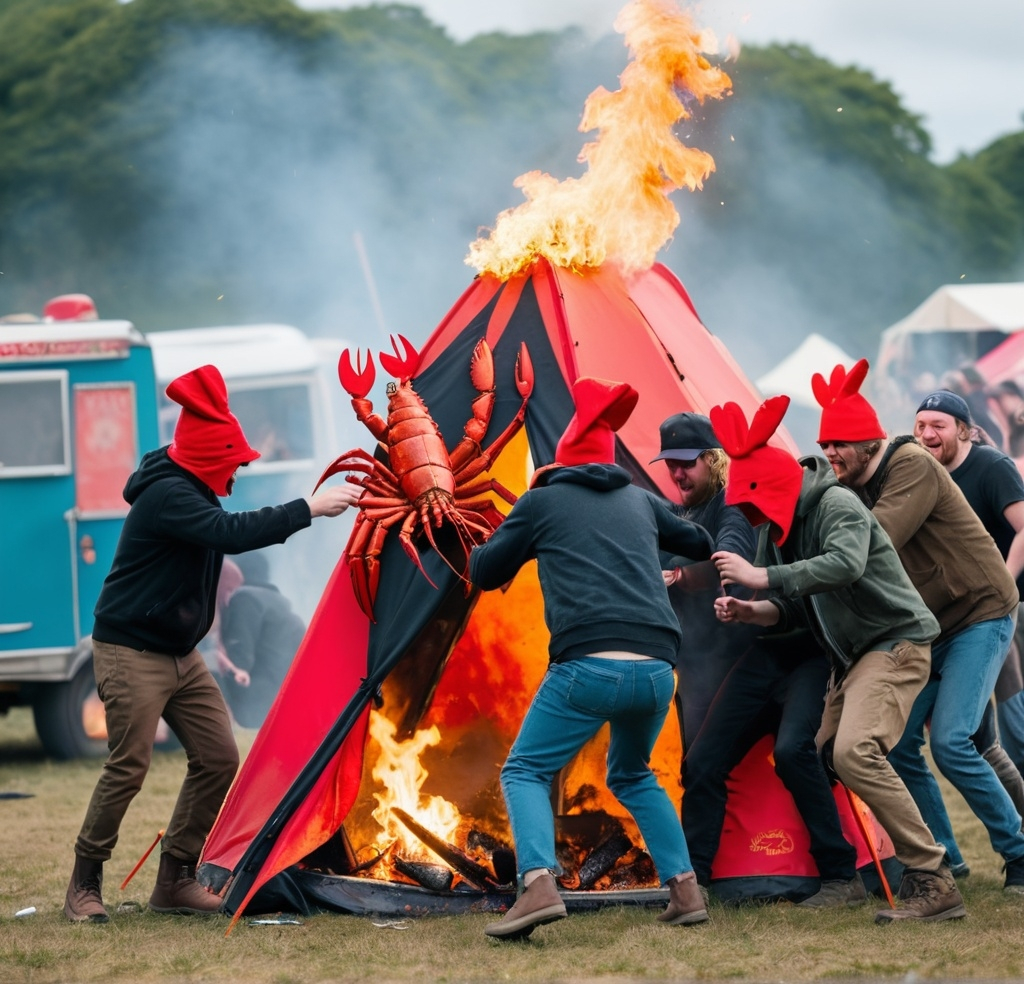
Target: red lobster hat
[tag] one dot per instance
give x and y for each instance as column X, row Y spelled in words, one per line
column 602, row 407
column 763, row 481
column 845, row 415
column 208, row 439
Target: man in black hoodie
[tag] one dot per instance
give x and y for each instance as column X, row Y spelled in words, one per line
column 614, row 639
column 156, row 604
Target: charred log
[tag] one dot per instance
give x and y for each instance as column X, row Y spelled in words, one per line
column 634, row 870
column 436, row 877
column 603, row 858
column 474, row 873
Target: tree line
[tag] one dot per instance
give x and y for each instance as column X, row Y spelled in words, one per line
column 193, row 162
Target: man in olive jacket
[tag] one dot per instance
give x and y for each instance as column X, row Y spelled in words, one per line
column 832, row 567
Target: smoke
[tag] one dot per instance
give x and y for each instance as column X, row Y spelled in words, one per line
column 296, row 191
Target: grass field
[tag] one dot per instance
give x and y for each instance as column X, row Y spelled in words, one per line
column 771, row 943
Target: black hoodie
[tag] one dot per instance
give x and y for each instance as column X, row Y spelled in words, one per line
column 161, row 591
column 595, row 537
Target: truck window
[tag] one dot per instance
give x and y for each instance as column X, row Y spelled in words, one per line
column 277, row 420
column 34, row 432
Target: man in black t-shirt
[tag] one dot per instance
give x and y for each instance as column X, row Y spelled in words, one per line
column 992, row 484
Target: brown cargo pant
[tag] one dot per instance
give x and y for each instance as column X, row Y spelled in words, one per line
column 865, row 713
column 138, row 688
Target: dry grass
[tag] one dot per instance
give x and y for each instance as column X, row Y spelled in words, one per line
column 778, row 942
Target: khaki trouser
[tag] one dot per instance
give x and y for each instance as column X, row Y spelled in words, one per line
column 865, row 713
column 138, row 688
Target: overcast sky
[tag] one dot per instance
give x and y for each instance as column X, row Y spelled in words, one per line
column 958, row 64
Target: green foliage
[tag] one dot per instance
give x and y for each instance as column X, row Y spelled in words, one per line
column 200, row 161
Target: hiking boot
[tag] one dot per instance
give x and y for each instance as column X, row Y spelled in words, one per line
column 836, row 892
column 539, row 904
column 687, row 904
column 926, row 895
column 1014, row 883
column 177, row 891
column 84, row 900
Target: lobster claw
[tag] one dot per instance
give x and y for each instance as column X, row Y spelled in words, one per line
column 398, row 366
column 524, row 372
column 356, row 382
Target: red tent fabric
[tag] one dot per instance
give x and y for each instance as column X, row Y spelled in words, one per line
column 302, row 775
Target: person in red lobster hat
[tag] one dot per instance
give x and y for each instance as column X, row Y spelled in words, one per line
column 614, row 637
column 157, row 602
column 827, row 563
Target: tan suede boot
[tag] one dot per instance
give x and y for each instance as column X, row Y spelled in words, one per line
column 177, row 891
column 539, row 904
column 686, row 905
column 84, row 899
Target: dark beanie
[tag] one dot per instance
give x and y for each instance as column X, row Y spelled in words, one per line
column 944, row 401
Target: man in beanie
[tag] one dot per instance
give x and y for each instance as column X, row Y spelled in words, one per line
column 993, row 487
column 954, row 564
column 614, row 639
column 829, row 565
column 757, row 687
column 156, row 604
column 698, row 468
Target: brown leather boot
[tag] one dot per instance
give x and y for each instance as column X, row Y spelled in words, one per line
column 177, row 891
column 926, row 895
column 686, row 905
column 84, row 900
column 539, row 904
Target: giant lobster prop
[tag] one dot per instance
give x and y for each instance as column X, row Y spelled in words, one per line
column 422, row 486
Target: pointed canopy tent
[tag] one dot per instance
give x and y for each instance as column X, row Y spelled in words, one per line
column 303, row 773
column 792, row 377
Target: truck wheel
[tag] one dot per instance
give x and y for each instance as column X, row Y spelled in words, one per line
column 70, row 721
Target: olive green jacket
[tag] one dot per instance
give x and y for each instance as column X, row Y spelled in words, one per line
column 839, row 573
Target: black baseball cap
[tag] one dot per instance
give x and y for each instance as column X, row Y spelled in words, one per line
column 686, row 436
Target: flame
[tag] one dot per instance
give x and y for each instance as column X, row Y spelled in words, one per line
column 619, row 211
column 399, row 776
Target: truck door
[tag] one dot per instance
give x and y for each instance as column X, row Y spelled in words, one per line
column 36, row 490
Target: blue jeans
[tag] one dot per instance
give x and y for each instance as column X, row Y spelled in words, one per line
column 573, row 701
column 966, row 665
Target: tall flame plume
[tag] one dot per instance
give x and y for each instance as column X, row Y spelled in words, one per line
column 619, row 211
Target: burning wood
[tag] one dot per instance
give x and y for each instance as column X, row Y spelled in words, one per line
column 603, row 858
column 476, row 874
column 436, row 877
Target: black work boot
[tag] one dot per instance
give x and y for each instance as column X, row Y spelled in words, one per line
column 84, row 900
column 178, row 893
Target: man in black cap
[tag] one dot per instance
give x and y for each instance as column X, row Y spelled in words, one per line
column 698, row 467
column 734, row 688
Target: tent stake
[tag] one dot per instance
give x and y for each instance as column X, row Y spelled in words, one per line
column 870, row 841
column 142, row 860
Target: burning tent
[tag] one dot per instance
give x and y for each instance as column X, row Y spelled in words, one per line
column 373, row 783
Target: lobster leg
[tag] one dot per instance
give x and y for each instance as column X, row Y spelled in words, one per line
column 474, row 489
column 356, row 460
